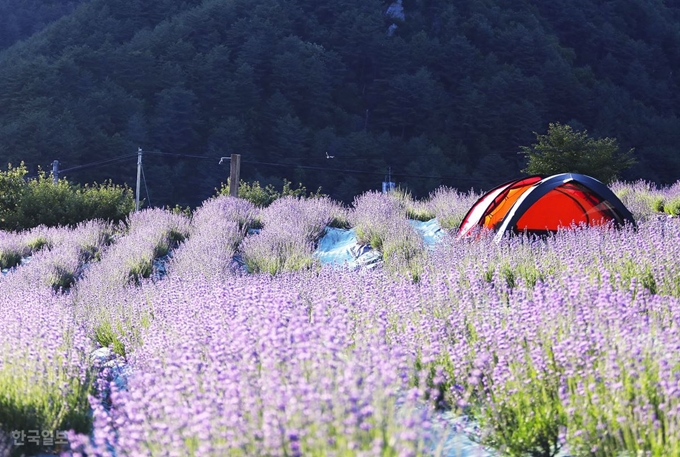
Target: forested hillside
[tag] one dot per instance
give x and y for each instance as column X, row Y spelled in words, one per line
column 442, row 92
column 19, row 19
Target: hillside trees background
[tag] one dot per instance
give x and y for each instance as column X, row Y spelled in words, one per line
column 446, row 94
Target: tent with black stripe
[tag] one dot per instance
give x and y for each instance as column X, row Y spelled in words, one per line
column 540, row 205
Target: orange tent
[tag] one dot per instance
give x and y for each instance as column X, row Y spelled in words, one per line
column 543, row 205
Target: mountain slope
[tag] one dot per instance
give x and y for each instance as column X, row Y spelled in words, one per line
column 443, row 94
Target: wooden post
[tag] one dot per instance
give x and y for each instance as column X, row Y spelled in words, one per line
column 234, row 174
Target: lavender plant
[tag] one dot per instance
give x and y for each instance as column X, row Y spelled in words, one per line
column 450, row 206
column 14, row 246
column 11, row 250
column 415, row 209
column 45, row 377
column 250, row 369
column 292, row 226
column 217, row 228
column 562, row 344
column 381, row 221
column 70, row 252
column 646, row 200
column 102, row 298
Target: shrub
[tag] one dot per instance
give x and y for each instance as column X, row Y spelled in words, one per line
column 265, row 196
column 672, row 207
column 12, row 186
column 25, row 204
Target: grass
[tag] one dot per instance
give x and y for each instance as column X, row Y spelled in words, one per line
column 106, row 337
column 47, row 397
column 672, row 207
column 9, row 258
column 38, row 243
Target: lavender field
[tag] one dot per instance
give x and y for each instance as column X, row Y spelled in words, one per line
column 177, row 336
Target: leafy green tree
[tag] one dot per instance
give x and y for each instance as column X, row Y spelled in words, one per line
column 29, row 203
column 565, row 150
column 12, row 187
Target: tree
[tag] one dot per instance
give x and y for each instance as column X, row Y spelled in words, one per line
column 565, row 150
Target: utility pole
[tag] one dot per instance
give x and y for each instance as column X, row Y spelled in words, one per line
column 55, row 172
column 388, row 185
column 234, row 174
column 139, row 177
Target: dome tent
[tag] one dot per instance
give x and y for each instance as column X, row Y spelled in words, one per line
column 540, row 205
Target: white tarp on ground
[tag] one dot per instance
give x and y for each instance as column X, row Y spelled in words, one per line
column 340, row 246
column 430, row 230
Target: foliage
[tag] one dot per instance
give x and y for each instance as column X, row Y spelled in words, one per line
column 445, row 98
column 265, row 196
column 9, row 258
column 40, row 201
column 106, row 337
column 564, row 150
column 12, row 188
column 672, row 207
column 646, row 200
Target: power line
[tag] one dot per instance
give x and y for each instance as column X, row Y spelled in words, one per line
column 343, row 170
column 98, row 163
column 280, row 165
column 309, row 167
column 180, row 155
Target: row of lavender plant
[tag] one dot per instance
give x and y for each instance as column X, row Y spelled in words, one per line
column 253, row 368
column 483, row 324
column 565, row 342
column 645, row 199
column 66, row 254
column 45, row 377
column 570, row 355
column 491, row 328
column 381, row 221
column 16, row 246
column 291, row 228
column 104, row 296
column 216, row 231
column 450, row 206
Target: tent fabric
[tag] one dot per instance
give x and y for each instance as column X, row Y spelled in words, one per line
column 541, row 205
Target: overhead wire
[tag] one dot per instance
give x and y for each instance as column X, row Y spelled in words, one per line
column 276, row 164
column 98, row 163
column 375, row 173
column 146, row 187
column 180, row 155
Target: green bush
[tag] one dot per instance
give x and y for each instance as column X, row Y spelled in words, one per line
column 265, row 196
column 29, row 203
column 565, row 150
column 9, row 259
column 12, row 187
column 672, row 207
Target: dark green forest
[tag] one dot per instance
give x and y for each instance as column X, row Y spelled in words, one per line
column 441, row 92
